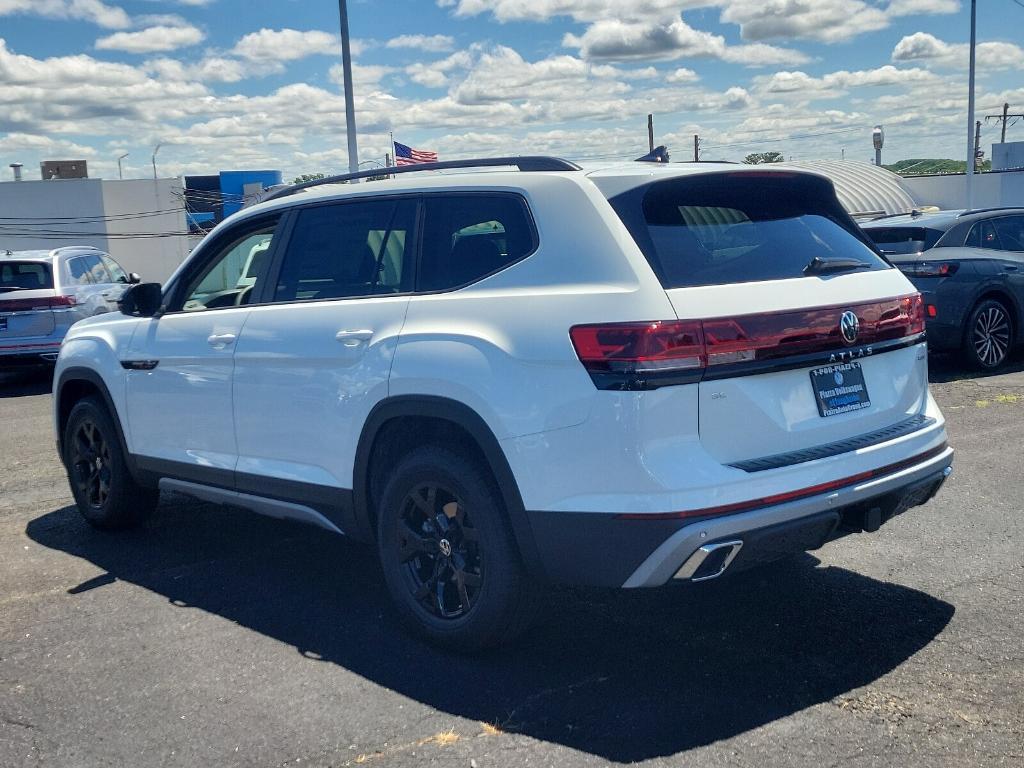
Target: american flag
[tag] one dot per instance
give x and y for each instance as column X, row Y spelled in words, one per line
column 405, row 155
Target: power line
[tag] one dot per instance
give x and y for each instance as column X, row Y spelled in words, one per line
column 793, row 137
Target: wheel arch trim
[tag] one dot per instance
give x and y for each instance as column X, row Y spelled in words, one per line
column 463, row 416
column 78, row 373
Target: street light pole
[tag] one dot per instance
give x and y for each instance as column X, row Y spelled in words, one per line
column 155, row 150
column 346, row 70
column 969, row 191
column 120, row 173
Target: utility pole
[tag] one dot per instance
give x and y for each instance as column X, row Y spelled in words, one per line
column 977, row 144
column 696, row 148
column 1005, row 118
column 650, row 133
column 346, row 70
column 969, row 176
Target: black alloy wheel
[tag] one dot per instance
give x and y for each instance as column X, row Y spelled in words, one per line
column 448, row 552
column 105, row 492
column 90, row 463
column 990, row 335
column 442, row 565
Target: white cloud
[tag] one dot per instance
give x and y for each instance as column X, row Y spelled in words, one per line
column 152, row 39
column 915, row 7
column 621, row 40
column 682, row 75
column 286, row 44
column 829, row 21
column 212, row 69
column 94, row 11
column 435, row 74
column 834, row 83
column 922, row 46
column 430, row 43
column 579, row 10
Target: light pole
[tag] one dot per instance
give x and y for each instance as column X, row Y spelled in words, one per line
column 969, row 177
column 346, row 70
column 155, row 150
column 120, row 173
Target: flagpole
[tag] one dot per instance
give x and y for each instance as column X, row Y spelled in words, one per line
column 394, row 155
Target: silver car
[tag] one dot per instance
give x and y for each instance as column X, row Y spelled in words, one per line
column 43, row 293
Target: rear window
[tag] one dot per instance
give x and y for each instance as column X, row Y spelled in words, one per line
column 739, row 227
column 24, row 276
column 902, row 240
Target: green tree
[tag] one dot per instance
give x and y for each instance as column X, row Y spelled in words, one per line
column 757, row 158
column 308, row 177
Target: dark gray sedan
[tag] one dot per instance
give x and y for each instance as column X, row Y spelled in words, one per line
column 969, row 266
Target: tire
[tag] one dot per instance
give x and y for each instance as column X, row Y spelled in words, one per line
column 989, row 336
column 105, row 492
column 444, row 541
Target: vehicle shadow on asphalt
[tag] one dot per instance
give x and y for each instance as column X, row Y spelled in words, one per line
column 625, row 676
column 946, row 367
column 24, row 383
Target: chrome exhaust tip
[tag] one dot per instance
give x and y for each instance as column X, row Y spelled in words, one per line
column 710, row 561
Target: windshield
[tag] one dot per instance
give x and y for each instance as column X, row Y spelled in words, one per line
column 740, row 227
column 903, row 240
column 24, row 276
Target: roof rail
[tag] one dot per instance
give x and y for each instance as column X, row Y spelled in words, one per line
column 523, row 163
column 989, row 210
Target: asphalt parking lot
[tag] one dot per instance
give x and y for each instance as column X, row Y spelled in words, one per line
column 211, row 637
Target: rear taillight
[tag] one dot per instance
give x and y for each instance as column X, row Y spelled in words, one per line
column 930, row 268
column 639, row 347
column 31, row 305
column 626, row 356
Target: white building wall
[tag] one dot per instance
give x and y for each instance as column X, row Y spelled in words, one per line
column 1008, row 155
column 49, row 214
column 154, row 258
column 991, row 190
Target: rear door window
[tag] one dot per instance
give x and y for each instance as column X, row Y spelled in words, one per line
column 740, row 227
column 24, row 276
column 344, row 250
column 78, row 270
column 983, row 235
column 468, row 237
column 1010, row 230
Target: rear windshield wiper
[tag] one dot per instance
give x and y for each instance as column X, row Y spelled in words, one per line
column 820, row 266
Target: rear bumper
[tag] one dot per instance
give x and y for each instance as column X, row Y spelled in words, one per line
column 28, row 355
column 615, row 551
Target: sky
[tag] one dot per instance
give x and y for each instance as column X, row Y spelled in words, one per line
column 228, row 84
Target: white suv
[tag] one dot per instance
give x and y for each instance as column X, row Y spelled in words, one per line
column 623, row 377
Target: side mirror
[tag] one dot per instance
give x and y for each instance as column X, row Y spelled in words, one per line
column 133, row 278
column 141, row 300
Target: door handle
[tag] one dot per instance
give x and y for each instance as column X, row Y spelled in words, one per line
column 353, row 339
column 221, row 340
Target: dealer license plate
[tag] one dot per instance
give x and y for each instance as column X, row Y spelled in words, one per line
column 840, row 389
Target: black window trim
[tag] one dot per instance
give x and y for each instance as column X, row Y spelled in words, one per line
column 530, row 221
column 173, row 291
column 291, row 215
column 277, row 258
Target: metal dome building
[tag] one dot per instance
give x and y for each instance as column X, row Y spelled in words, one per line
column 862, row 188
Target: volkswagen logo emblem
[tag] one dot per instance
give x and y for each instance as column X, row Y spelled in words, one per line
column 445, row 547
column 849, row 326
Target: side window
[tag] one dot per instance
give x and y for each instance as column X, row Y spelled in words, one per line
column 117, row 274
column 467, row 237
column 983, row 235
column 78, row 269
column 97, row 272
column 1010, row 230
column 343, row 250
column 230, row 276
